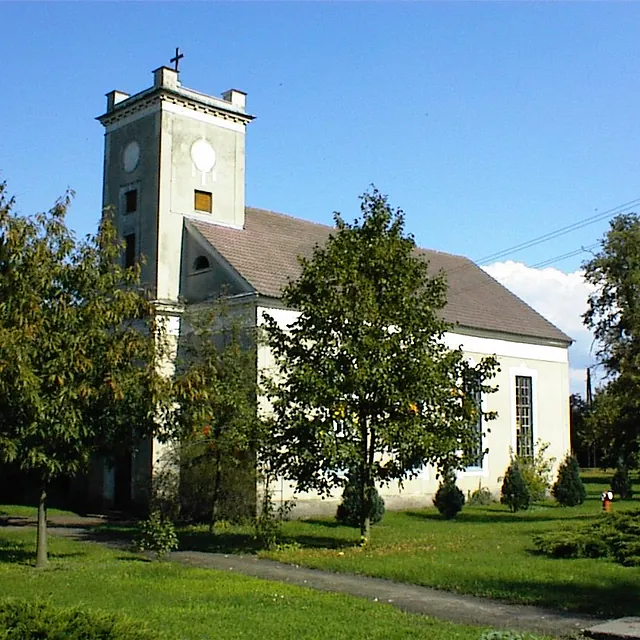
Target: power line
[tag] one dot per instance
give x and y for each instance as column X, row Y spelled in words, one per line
column 544, row 263
column 560, row 232
column 564, row 256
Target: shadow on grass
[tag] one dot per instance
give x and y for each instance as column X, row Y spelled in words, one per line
column 319, row 542
column 543, row 514
column 218, row 542
column 109, row 533
column 70, row 554
column 327, row 524
column 133, row 559
column 11, row 553
column 600, row 600
column 245, row 542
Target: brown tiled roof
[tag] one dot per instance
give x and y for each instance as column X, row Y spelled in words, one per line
column 265, row 254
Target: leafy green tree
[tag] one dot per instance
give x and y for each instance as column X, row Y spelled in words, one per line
column 611, row 423
column 614, row 317
column 366, row 387
column 578, row 410
column 584, row 438
column 216, row 391
column 78, row 349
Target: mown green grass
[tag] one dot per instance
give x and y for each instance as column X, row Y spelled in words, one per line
column 486, row 551
column 24, row 511
column 189, row 603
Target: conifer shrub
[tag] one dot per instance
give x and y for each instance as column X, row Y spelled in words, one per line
column 621, row 483
column 568, row 489
column 613, row 535
column 348, row 512
column 31, row 620
column 449, row 500
column 515, row 493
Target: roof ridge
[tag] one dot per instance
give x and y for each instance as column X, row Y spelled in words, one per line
column 446, row 253
column 333, row 228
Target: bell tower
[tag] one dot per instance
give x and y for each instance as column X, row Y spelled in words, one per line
column 172, row 153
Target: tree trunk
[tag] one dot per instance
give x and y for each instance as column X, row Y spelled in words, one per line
column 365, row 521
column 216, row 494
column 365, row 528
column 41, row 544
column 365, row 481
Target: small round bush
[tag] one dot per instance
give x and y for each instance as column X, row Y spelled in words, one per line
column 157, row 534
column 536, row 483
column 568, row 489
column 515, row 493
column 348, row 512
column 449, row 500
column 621, row 484
column 480, row 497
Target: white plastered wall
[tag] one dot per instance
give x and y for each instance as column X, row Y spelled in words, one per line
column 548, row 367
column 181, row 128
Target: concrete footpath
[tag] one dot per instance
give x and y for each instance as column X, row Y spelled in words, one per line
column 444, row 605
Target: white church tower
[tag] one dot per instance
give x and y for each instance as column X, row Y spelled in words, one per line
column 172, row 153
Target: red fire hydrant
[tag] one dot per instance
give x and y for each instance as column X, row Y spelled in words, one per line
column 607, row 499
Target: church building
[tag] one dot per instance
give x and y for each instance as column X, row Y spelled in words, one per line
column 174, row 171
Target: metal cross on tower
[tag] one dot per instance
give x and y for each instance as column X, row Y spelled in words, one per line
column 177, row 59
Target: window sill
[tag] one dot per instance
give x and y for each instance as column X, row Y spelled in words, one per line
column 475, row 471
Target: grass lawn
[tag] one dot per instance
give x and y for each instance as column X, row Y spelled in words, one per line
column 182, row 602
column 23, row 511
column 485, row 551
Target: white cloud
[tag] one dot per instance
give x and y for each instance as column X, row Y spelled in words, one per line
column 561, row 298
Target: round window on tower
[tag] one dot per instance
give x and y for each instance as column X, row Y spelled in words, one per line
column 131, row 156
column 201, row 263
column 202, row 155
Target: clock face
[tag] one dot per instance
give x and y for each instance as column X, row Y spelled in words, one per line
column 131, row 156
column 203, row 156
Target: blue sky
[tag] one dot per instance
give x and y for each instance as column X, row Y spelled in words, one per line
column 488, row 123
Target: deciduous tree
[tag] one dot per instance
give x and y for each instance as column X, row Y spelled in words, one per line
column 79, row 348
column 366, row 386
column 614, row 317
column 216, row 392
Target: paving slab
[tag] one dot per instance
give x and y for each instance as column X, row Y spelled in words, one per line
column 621, row 629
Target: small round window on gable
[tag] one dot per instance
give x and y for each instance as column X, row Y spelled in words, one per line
column 201, row 263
